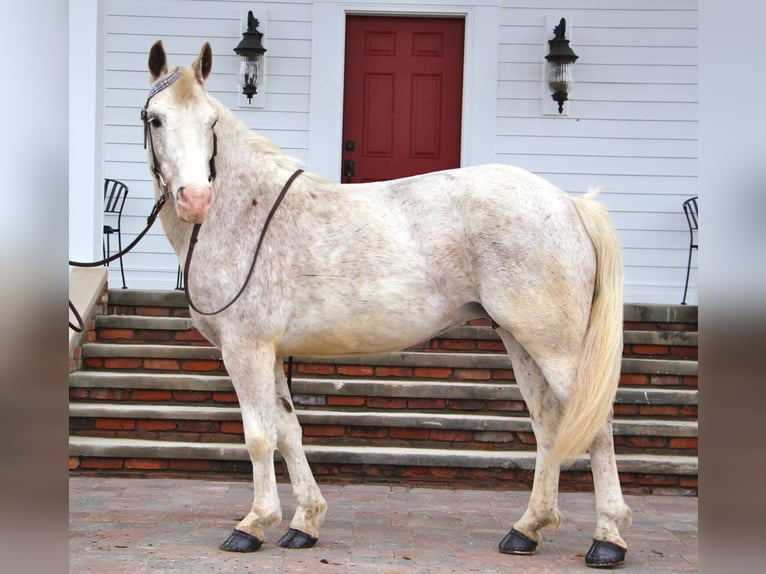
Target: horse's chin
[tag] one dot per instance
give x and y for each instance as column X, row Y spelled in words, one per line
column 188, row 217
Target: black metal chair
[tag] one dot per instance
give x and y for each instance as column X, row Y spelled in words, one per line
column 691, row 211
column 115, row 193
column 180, row 279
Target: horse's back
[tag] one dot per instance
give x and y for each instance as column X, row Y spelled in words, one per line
column 497, row 216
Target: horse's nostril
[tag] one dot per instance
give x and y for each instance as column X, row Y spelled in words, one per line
column 180, row 192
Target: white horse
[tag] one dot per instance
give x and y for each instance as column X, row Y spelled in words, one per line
column 355, row 269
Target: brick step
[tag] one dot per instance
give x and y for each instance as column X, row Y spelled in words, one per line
column 362, row 416
column 122, row 329
column 639, row 473
column 390, row 428
column 152, row 302
column 475, row 366
column 174, row 303
column 119, row 329
column 418, row 364
column 359, row 394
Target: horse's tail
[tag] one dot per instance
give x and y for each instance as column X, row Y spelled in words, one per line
column 598, row 373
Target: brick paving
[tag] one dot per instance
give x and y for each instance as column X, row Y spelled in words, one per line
column 142, row 526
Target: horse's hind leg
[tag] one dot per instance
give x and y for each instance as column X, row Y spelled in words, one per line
column 608, row 548
column 310, row 504
column 252, row 374
column 544, row 409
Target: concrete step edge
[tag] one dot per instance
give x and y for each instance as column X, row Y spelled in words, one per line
column 417, row 359
column 382, row 387
column 672, row 338
column 106, row 379
column 144, row 322
column 660, row 313
column 103, row 409
column 634, row 312
column 471, row 332
column 140, row 448
column 150, row 351
column 148, row 298
column 397, row 419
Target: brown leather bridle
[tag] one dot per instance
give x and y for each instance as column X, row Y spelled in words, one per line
column 148, row 141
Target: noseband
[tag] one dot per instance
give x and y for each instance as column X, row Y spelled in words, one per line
column 164, row 83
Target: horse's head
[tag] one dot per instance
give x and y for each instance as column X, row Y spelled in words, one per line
column 179, row 123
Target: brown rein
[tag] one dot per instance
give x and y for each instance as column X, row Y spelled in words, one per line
column 80, row 327
column 149, row 222
column 193, row 242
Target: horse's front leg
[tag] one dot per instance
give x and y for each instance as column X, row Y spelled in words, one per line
column 252, row 374
column 310, row 504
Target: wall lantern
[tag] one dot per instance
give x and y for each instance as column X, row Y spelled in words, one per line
column 560, row 59
column 251, row 51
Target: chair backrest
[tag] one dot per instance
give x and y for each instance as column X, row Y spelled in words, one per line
column 692, row 212
column 115, row 193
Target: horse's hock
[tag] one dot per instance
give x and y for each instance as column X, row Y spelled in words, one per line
column 153, row 398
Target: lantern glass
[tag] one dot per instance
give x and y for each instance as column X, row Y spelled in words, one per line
column 250, row 72
column 560, row 78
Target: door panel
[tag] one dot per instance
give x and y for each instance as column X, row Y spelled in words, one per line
column 402, row 96
column 378, row 108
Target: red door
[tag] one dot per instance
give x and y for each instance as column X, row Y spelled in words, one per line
column 402, row 97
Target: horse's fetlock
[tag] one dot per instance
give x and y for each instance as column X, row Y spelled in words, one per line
column 311, row 517
column 625, row 516
column 629, row 518
column 264, row 517
column 547, row 516
column 272, row 519
column 556, row 519
column 531, row 523
column 618, row 514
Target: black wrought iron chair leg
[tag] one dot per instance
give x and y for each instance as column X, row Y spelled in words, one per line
column 122, row 272
column 688, row 270
column 122, row 268
column 180, row 279
column 115, row 194
column 691, row 211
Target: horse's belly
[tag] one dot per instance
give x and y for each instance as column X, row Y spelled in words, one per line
column 354, row 330
column 353, row 340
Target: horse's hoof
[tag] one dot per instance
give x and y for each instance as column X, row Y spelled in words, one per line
column 239, row 541
column 297, row 539
column 603, row 554
column 517, row 543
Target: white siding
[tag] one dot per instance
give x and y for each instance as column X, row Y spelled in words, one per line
column 631, row 125
column 631, row 128
column 183, row 25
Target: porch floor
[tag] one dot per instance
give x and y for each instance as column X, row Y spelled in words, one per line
column 137, row 526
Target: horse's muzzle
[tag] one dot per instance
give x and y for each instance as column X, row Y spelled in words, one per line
column 193, row 202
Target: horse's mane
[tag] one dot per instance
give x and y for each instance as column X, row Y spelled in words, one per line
column 260, row 144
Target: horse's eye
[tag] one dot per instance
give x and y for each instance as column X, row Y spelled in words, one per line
column 155, row 121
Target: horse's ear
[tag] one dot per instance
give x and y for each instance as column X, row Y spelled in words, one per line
column 204, row 63
column 158, row 61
